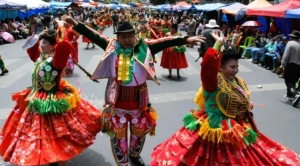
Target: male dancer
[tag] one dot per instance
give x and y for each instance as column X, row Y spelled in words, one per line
column 127, row 63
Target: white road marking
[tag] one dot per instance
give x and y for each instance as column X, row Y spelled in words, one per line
column 10, row 61
column 16, row 74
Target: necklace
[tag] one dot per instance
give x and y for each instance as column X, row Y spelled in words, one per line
column 124, row 65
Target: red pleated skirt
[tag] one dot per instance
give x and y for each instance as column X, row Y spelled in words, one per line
column 187, row 148
column 30, row 138
column 85, row 39
column 173, row 60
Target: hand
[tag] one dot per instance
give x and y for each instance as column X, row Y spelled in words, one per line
column 45, row 31
column 217, row 36
column 195, row 39
column 69, row 20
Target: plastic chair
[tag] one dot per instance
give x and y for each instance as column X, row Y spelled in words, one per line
column 248, row 41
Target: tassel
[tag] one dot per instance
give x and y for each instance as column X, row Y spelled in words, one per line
column 251, row 136
column 190, row 122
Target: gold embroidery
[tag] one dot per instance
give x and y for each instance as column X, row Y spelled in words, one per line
column 232, row 103
column 123, row 69
column 137, row 131
column 120, row 133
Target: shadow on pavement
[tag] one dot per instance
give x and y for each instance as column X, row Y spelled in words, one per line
column 89, row 158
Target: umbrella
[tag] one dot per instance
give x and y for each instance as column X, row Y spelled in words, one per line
column 240, row 14
column 252, row 24
column 7, row 37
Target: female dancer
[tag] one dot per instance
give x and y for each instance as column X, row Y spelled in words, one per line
column 174, row 57
column 50, row 121
column 221, row 132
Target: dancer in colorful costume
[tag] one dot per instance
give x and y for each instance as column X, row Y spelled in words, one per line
column 90, row 22
column 144, row 31
column 174, row 57
column 221, row 131
column 156, row 25
column 127, row 63
column 165, row 25
column 50, row 121
column 2, row 67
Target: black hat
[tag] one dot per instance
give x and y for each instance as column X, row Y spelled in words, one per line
column 124, row 27
column 229, row 52
column 49, row 36
column 295, row 34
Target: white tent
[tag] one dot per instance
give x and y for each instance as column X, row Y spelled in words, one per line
column 32, row 4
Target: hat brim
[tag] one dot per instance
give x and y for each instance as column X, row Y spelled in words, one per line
column 125, row 31
column 212, row 26
column 292, row 35
column 30, row 42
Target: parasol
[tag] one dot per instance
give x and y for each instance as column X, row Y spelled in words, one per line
column 252, row 24
column 7, row 37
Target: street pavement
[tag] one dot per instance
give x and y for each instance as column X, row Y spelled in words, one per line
column 173, row 98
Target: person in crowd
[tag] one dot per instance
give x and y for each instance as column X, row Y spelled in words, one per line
column 115, row 19
column 279, row 50
column 2, row 66
column 144, row 31
column 51, row 23
column 39, row 23
column 174, row 57
column 33, row 24
column 209, row 42
column 12, row 29
column 165, row 25
column 291, row 66
column 50, row 122
column 90, row 22
column 127, row 63
column 191, row 27
column 256, row 46
column 221, row 131
column 268, row 61
column 268, row 49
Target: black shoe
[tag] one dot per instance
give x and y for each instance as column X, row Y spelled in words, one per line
column 169, row 76
column 3, row 72
column 178, row 77
column 296, row 100
column 137, row 161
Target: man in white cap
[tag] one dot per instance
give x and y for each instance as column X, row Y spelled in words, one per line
column 210, row 41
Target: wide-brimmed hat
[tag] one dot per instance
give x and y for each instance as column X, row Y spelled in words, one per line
column 124, row 27
column 212, row 24
column 295, row 34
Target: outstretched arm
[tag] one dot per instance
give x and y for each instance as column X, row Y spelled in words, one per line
column 34, row 52
column 210, row 65
column 157, row 45
column 94, row 36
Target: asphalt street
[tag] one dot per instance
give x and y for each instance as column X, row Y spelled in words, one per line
column 173, row 98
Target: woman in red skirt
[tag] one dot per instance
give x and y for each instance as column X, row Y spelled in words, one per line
column 174, row 57
column 90, row 22
column 221, row 132
column 50, row 122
